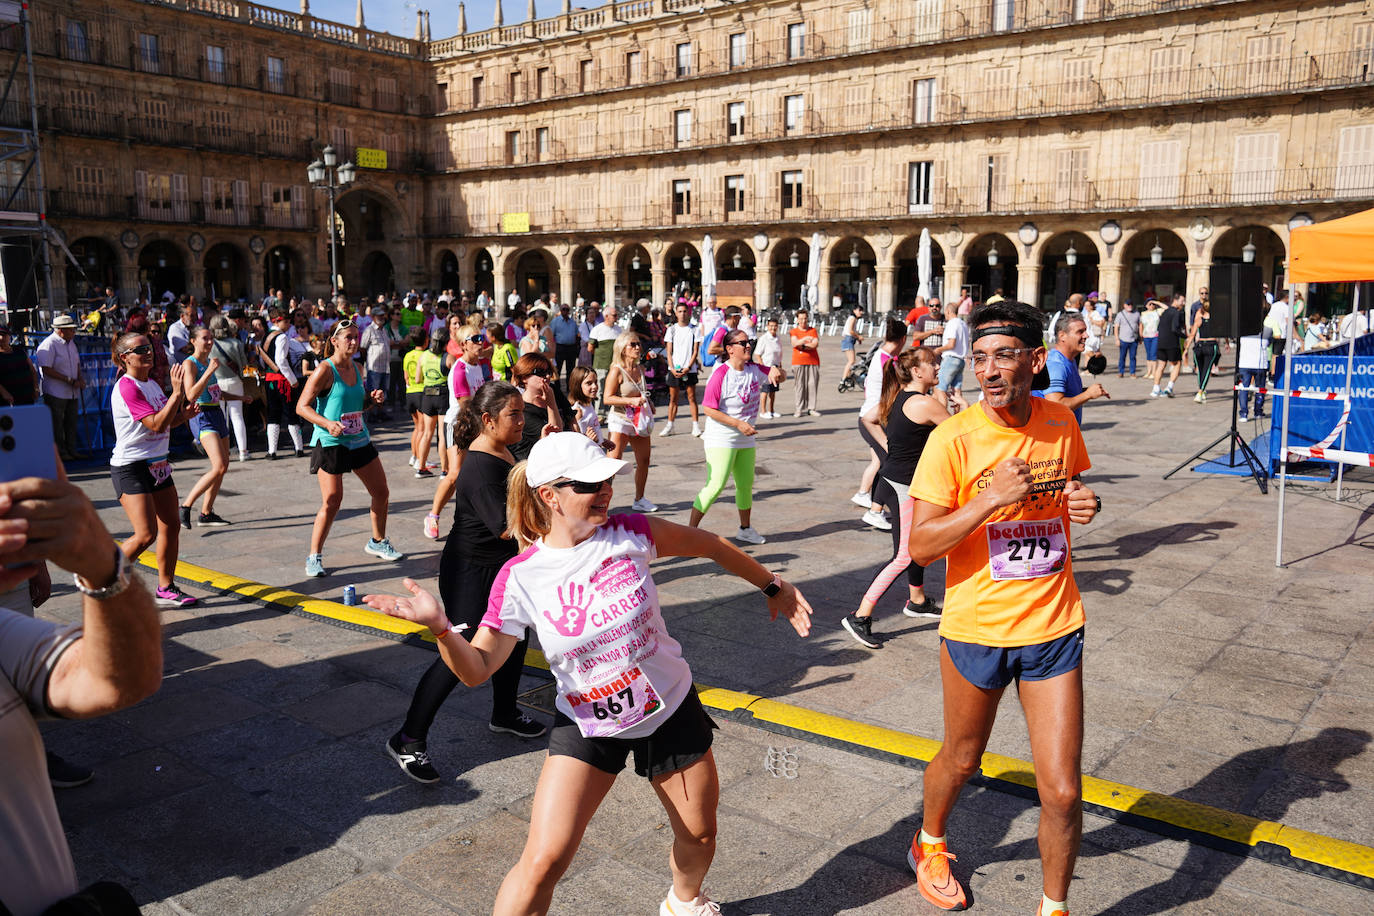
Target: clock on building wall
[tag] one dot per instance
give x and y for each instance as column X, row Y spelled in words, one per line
column 196, row 242
column 257, row 245
column 1110, row 232
column 129, row 239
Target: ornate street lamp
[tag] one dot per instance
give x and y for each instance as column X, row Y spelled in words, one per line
column 795, row 258
column 634, row 262
column 1071, row 256
column 1156, row 253
column 992, row 255
column 328, row 175
column 737, row 260
column 591, row 263
column 1247, row 253
column 686, row 262
column 854, row 257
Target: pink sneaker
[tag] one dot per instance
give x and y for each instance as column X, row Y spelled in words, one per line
column 431, row 526
column 171, row 596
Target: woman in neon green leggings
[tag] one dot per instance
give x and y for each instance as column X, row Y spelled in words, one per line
column 731, row 404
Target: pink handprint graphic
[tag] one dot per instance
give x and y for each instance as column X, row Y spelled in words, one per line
column 572, row 617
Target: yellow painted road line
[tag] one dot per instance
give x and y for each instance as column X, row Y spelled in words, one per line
column 1229, row 831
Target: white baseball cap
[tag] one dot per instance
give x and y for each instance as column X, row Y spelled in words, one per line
column 570, row 456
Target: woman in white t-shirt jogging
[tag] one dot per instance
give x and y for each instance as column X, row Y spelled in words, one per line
column 139, row 470
column 874, row 495
column 583, row 583
column 733, row 395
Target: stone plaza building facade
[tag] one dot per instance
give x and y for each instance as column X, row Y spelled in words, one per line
column 1048, row 147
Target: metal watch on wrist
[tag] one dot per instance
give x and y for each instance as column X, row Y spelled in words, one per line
column 122, row 577
column 772, row 588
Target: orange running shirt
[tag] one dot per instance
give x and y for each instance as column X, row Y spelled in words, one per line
column 956, row 464
column 802, row 357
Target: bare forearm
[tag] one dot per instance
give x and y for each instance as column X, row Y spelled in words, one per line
column 934, row 532
column 118, row 660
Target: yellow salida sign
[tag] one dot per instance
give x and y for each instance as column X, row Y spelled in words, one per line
column 371, row 158
column 515, row 222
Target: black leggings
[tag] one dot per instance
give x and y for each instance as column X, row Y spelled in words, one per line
column 1206, row 354
column 881, row 494
column 464, row 590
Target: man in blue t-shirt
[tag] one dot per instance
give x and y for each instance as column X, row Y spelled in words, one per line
column 1066, row 385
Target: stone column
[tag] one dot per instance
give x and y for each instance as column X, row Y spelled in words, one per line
column 1199, row 275
column 195, row 281
column 660, row 274
column 467, row 277
column 824, row 292
column 565, row 283
column 887, row 289
column 499, row 290
column 763, row 286
column 954, row 278
column 1028, row 283
column 612, row 278
column 1109, row 284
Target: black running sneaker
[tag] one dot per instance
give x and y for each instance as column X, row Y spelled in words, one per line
column 861, row 628
column 413, row 759
column 186, row 517
column 211, row 520
column 926, row 608
column 520, row 725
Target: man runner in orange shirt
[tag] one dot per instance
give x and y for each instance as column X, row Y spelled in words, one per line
column 995, row 490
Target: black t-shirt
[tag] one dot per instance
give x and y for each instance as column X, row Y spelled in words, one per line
column 1170, row 327
column 536, row 418
column 16, row 377
column 479, row 516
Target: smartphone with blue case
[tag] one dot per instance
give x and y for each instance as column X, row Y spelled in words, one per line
column 26, row 443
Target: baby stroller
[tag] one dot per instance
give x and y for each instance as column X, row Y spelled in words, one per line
column 859, row 371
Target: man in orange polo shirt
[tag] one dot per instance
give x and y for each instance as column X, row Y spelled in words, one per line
column 996, row 489
column 806, row 364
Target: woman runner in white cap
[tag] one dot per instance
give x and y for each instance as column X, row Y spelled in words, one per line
column 583, row 583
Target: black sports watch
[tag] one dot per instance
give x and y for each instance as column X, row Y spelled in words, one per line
column 1099, row 502
column 772, row 588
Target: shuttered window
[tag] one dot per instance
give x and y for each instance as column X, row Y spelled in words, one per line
column 1160, row 173
column 1071, row 177
column 1168, row 71
column 1355, row 161
column 1256, row 168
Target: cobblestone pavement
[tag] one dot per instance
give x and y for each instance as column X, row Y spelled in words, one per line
column 255, row 781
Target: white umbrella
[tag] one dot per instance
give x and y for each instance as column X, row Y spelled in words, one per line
column 708, row 268
column 923, row 265
column 813, row 271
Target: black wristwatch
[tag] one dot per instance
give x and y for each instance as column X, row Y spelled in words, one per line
column 1099, row 502
column 772, row 588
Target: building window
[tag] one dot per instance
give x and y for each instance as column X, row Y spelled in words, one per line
column 477, row 147
column 89, row 181
column 632, row 129
column 541, row 143
column 1003, row 15
column 217, row 125
column 995, row 182
column 340, row 86
column 586, row 136
column 682, row 197
column 738, row 50
column 1080, row 10
column 1077, row 81
column 512, row 146
column 542, row 82
column 1362, row 50
column 78, row 48
column 1355, row 161
column 279, row 205
column 156, row 123
column 682, row 127
column 999, row 95
column 860, row 29
column 279, row 134
column 632, row 202
column 584, row 76
column 796, row 40
column 276, row 74
column 1160, row 171
column 856, row 99
column 388, row 99
column 918, row 187
column 734, row 119
column 216, row 70
column 1168, row 71
column 1071, row 178
column 791, row 189
column 923, row 101
column 683, row 56
column 734, row 193
column 634, row 68
column 156, row 199
column 1264, row 61
column 391, row 145
column 149, row 60
column 342, row 140
column 515, row 86
column 1256, row 168
column 793, row 113
column 928, row 15
column 476, row 91
column 219, row 200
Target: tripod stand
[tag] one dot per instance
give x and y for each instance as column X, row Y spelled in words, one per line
column 1257, row 469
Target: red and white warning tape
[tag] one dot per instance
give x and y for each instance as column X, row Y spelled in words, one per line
column 1331, row 454
column 1279, row 393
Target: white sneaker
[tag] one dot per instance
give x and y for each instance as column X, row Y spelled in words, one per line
column 412, row 461
column 862, row 499
column 702, row 906
column 877, row 520
column 697, row 430
column 667, row 429
column 814, row 413
column 643, row 505
column 749, row 536
column 243, row 456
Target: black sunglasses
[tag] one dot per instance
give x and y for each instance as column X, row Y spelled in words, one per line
column 542, row 373
column 585, row 487
column 141, row 350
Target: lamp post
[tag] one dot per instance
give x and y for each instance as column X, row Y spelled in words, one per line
column 328, row 175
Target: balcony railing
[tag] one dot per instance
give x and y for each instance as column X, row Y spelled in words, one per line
column 128, row 208
column 105, row 124
column 1195, row 191
column 1312, row 73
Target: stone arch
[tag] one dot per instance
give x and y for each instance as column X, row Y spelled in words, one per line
column 228, row 270
column 905, row 259
column 983, row 277
column 1143, row 278
column 163, row 266
column 100, row 262
column 1059, row 278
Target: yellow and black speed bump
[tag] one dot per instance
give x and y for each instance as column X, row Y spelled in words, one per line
column 1215, row 828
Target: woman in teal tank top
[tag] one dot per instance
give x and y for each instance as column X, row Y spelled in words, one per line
column 333, row 400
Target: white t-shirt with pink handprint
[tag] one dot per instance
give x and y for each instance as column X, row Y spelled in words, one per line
column 595, row 608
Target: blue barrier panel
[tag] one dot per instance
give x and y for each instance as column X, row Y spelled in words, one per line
column 1310, row 420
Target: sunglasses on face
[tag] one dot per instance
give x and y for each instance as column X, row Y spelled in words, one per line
column 747, row 344
column 585, row 487
column 475, row 338
column 541, row 373
column 635, row 344
column 141, row 350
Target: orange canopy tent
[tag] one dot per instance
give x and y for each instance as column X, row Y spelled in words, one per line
column 1340, row 250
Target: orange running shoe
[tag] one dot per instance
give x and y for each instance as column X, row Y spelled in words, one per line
column 930, row 862
column 1040, row 911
